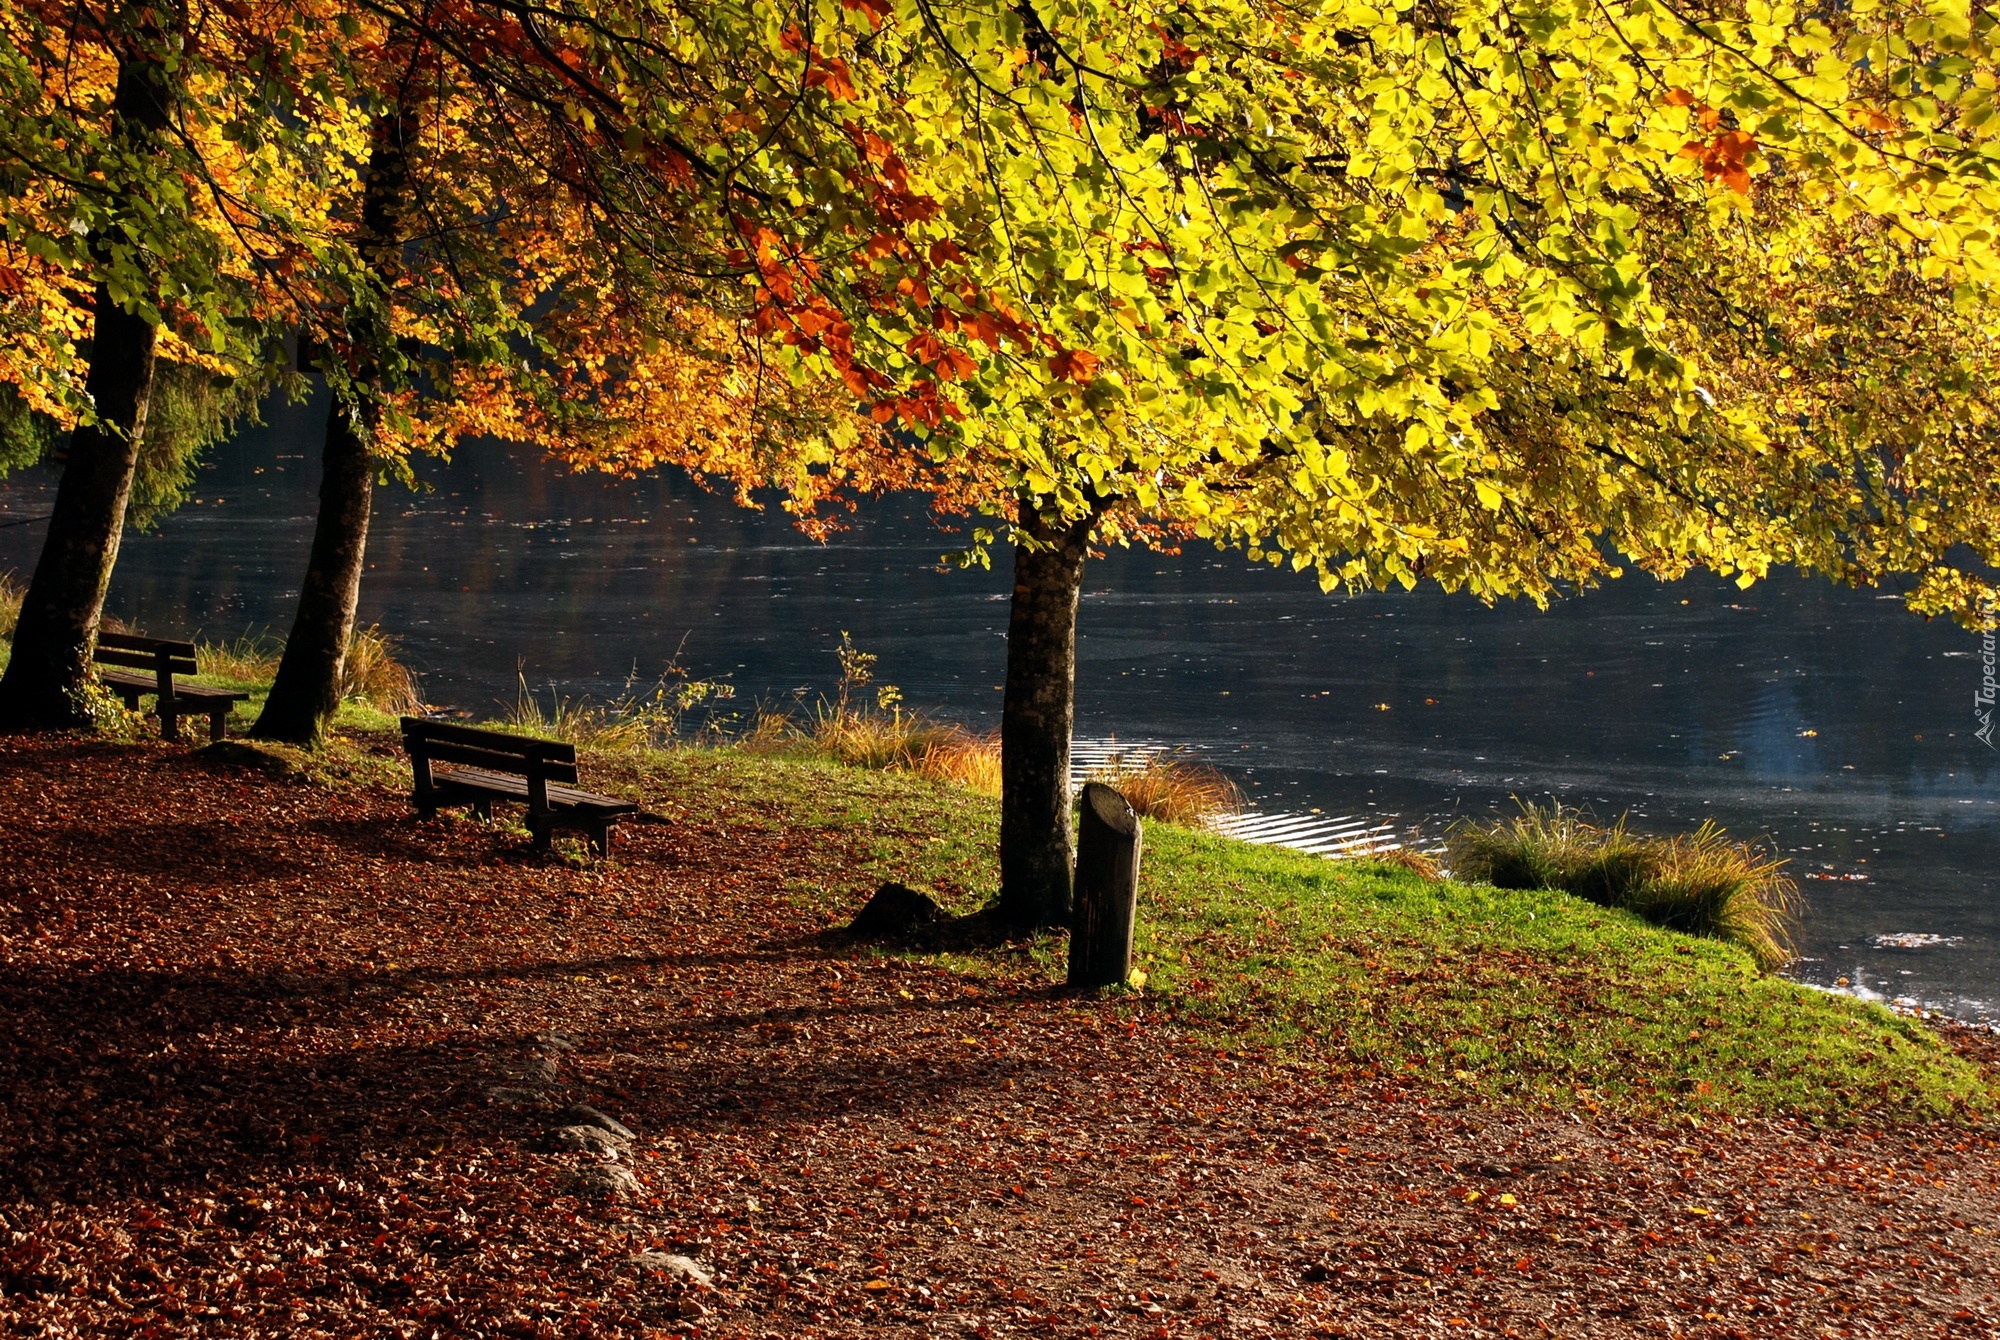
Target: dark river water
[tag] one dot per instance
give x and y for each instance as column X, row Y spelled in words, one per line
column 1830, row 721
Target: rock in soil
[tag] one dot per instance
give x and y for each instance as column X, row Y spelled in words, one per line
column 516, row 1097
column 895, row 910
column 681, row 1267
column 605, row 1179
column 587, row 1140
column 583, row 1114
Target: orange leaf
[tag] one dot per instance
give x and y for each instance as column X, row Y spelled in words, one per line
column 876, row 10
column 1679, row 97
column 831, row 73
column 1078, row 365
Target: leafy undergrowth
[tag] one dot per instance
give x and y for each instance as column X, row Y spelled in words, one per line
column 257, row 1013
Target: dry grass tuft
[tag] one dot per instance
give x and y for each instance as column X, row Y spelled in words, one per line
column 633, row 722
column 966, row 759
column 1169, row 787
column 1700, row 883
column 250, row 659
column 12, row 593
column 1407, row 858
column 895, row 739
column 373, row 674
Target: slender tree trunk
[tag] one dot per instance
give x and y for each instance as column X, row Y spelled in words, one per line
column 306, row 693
column 47, row 681
column 1036, row 849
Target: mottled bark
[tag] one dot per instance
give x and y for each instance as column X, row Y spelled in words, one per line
column 306, row 693
column 48, row 678
column 1036, row 850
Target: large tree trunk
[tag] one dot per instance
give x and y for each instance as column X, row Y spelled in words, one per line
column 1036, row 851
column 306, row 693
column 47, row 681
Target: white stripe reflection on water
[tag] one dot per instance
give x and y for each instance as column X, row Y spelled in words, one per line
column 1334, row 835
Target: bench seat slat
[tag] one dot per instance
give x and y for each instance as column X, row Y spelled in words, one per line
column 205, row 696
column 491, row 759
column 480, row 782
column 183, row 693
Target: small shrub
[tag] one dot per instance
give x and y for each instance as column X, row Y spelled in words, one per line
column 1169, row 787
column 1700, row 883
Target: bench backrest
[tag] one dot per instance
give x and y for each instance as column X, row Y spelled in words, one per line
column 495, row 751
column 146, row 653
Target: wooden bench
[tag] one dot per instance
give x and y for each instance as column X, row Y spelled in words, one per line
column 162, row 660
column 490, row 765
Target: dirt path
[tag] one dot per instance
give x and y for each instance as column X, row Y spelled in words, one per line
column 253, row 1029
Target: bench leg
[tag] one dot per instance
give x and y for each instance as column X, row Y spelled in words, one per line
column 218, row 726
column 600, row 838
column 170, row 726
column 543, row 832
column 484, row 809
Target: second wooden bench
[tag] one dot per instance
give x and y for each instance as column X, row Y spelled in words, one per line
column 162, row 660
column 490, row 765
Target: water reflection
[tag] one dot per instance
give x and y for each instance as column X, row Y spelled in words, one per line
column 1829, row 719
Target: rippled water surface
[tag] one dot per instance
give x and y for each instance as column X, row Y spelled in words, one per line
column 1830, row 720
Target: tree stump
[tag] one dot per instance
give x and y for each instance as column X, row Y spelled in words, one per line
column 1106, row 889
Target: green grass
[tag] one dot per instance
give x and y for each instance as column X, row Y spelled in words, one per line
column 1368, row 968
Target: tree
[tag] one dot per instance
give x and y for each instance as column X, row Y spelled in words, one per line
column 306, row 691
column 1451, row 292
column 139, row 182
column 56, row 632
column 494, row 294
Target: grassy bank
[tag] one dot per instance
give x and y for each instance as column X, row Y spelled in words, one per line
column 1373, row 970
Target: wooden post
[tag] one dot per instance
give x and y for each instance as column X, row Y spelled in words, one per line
column 169, row 710
column 1106, row 889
